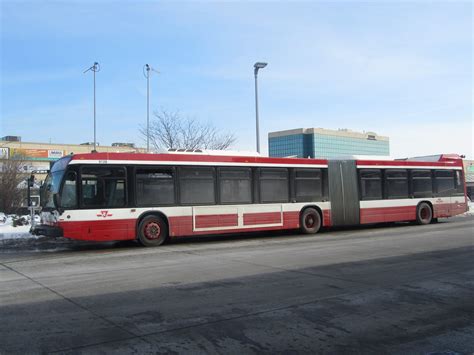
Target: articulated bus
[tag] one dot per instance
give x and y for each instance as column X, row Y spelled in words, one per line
column 153, row 197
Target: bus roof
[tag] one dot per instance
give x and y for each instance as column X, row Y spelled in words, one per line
column 137, row 158
column 143, row 158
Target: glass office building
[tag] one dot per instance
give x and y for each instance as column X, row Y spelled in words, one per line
column 325, row 143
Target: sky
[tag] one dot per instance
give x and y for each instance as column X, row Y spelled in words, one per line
column 402, row 69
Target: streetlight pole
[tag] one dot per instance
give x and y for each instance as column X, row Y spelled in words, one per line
column 94, row 68
column 147, row 68
column 257, row 66
column 146, row 72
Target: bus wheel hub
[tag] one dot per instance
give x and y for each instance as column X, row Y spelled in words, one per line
column 152, row 230
column 309, row 221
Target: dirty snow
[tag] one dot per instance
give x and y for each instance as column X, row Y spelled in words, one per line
column 7, row 231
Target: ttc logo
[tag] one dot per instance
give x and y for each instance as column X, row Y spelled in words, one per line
column 104, row 214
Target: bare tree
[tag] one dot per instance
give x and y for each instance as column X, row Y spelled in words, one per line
column 170, row 130
column 11, row 175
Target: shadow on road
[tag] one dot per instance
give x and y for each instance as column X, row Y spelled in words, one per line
column 419, row 302
column 50, row 245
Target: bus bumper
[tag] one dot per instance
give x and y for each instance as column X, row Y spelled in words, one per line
column 48, row 231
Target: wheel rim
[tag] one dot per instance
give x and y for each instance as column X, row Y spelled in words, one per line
column 152, row 230
column 309, row 221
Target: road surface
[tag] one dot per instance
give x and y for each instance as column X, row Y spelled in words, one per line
column 393, row 288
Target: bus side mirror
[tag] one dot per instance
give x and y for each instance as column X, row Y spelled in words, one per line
column 31, row 181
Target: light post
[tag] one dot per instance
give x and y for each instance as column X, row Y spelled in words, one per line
column 94, row 68
column 257, row 66
column 146, row 72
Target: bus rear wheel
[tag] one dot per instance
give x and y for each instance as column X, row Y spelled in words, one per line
column 424, row 213
column 152, row 231
column 310, row 221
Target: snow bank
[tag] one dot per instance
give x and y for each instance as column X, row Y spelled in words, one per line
column 7, row 231
column 470, row 211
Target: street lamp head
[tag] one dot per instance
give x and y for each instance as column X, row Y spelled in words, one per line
column 95, row 68
column 257, row 66
column 147, row 68
column 260, row 65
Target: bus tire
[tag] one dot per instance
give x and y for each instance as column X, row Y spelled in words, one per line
column 424, row 213
column 310, row 221
column 152, row 231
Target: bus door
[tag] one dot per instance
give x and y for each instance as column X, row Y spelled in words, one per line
column 343, row 192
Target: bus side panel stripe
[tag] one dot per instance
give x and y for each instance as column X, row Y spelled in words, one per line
column 180, row 225
column 327, row 218
column 291, row 220
column 183, row 225
column 387, row 214
column 261, row 218
column 221, row 220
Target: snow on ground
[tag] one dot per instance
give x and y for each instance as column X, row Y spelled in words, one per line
column 470, row 210
column 7, row 231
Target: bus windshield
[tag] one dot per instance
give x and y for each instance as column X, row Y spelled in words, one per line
column 53, row 182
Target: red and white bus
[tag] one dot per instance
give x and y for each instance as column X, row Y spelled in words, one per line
column 153, row 197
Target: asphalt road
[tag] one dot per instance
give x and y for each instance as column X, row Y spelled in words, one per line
column 383, row 289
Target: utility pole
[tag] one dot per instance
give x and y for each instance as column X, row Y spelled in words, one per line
column 147, row 69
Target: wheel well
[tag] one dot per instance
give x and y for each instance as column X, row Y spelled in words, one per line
column 428, row 203
column 151, row 213
column 316, row 208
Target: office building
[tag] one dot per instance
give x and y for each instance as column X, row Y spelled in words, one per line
column 326, row 143
column 36, row 157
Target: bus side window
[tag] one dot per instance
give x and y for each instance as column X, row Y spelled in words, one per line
column 235, row 185
column 103, row 187
column 69, row 192
column 197, row 185
column 444, row 182
column 422, row 184
column 274, row 185
column 370, row 184
column 308, row 185
column 396, row 183
column 459, row 183
column 155, row 186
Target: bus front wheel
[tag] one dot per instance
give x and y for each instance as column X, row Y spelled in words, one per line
column 424, row 213
column 152, row 231
column 310, row 221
